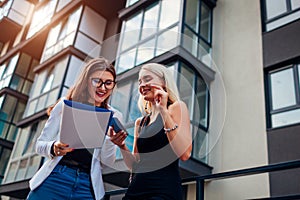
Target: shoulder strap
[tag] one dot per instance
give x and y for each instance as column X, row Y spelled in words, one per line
column 142, row 123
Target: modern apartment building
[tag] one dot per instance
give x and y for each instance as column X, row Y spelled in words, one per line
column 236, row 63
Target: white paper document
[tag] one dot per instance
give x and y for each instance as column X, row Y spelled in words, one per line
column 83, row 126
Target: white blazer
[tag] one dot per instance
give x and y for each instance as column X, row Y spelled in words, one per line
column 50, row 134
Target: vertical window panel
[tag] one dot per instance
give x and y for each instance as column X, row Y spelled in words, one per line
column 190, row 42
column 126, row 60
column 167, row 40
column 192, row 14
column 283, row 89
column 131, row 31
column 168, row 18
column 145, row 52
column 205, row 22
column 275, row 8
column 150, row 21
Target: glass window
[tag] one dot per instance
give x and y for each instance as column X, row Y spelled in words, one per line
column 197, row 29
column 122, row 92
column 48, row 81
column 145, row 52
column 192, row 14
column 168, row 18
column 4, row 154
column 33, row 166
column 28, row 147
column 190, row 41
column 62, row 35
column 186, row 83
column 150, row 21
column 205, row 22
column 74, row 69
column 23, row 65
column 201, row 107
column 131, row 31
column 11, row 66
column 10, row 176
column 283, row 89
column 295, row 4
column 126, row 60
column 22, row 169
column 275, row 8
column 200, row 147
column 286, row 118
column 41, row 17
column 167, row 40
column 284, row 96
column 281, row 12
column 131, row 2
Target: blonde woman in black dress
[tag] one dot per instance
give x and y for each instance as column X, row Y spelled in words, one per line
column 161, row 137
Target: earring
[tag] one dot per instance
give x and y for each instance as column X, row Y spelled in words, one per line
column 146, row 105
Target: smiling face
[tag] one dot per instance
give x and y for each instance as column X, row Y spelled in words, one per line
column 146, row 79
column 99, row 92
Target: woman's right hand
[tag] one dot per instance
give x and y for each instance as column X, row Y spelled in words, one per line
column 61, row 149
column 117, row 138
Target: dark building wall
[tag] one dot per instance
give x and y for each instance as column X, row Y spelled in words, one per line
column 281, row 44
column 280, row 48
column 284, row 145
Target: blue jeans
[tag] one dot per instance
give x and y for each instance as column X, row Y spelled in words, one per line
column 64, row 183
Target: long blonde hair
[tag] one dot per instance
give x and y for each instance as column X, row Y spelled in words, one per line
column 79, row 91
column 170, row 85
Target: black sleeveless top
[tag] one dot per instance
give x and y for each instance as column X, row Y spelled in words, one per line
column 157, row 173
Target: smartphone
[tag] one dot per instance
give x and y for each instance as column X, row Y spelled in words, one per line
column 117, row 125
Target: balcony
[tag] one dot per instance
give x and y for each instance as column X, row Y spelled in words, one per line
column 12, row 17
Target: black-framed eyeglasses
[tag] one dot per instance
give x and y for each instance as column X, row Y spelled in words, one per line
column 108, row 84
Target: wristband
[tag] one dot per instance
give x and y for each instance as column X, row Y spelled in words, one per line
column 168, row 130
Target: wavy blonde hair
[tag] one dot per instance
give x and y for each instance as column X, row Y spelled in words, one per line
column 170, row 85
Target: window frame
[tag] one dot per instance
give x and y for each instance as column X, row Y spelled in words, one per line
column 266, row 21
column 269, row 97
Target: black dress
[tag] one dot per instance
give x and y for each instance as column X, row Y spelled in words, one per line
column 156, row 176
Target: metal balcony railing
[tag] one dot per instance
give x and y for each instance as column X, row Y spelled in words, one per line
column 200, row 180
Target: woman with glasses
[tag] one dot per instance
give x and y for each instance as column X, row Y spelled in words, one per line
column 76, row 173
column 162, row 137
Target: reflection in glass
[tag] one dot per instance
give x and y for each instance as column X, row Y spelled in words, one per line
column 283, row 89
